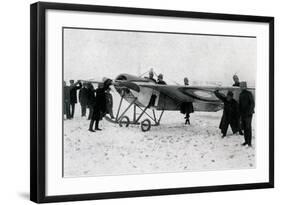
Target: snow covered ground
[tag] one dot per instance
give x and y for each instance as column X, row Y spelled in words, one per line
column 170, row 147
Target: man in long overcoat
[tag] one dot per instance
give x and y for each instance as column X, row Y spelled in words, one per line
column 230, row 113
column 83, row 98
column 246, row 107
column 99, row 107
column 73, row 95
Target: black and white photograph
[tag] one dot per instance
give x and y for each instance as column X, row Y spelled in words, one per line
column 140, row 102
column 133, row 102
column 145, row 102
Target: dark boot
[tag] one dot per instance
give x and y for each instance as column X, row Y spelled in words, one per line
column 97, row 125
column 91, row 126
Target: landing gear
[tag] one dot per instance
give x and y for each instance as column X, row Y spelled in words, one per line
column 124, row 121
column 145, row 125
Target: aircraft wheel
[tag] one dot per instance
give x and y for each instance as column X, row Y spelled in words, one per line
column 124, row 121
column 145, row 125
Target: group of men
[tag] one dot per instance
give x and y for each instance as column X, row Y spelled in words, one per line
column 99, row 101
column 238, row 114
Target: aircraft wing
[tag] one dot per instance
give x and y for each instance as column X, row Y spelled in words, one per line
column 194, row 93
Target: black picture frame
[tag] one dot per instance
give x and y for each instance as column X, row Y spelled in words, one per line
column 38, row 101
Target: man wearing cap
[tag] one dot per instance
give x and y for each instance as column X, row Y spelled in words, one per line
column 230, row 113
column 246, row 107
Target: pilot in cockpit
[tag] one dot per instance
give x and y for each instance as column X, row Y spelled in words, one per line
column 160, row 79
column 150, row 76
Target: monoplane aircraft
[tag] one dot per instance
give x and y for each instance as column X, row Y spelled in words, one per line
column 144, row 94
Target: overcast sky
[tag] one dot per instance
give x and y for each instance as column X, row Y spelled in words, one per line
column 94, row 54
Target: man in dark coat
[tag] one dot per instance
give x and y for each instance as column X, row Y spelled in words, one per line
column 99, row 107
column 230, row 113
column 83, row 98
column 66, row 94
column 246, row 107
column 73, row 95
column 91, row 99
column 109, row 103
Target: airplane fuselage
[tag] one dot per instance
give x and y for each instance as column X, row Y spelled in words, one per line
column 145, row 92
